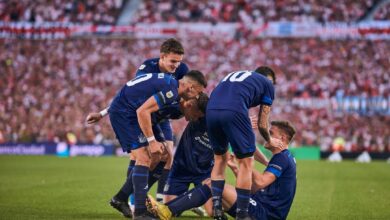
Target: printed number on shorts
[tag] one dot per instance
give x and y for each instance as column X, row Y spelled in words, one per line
column 139, row 79
column 252, row 202
column 237, row 76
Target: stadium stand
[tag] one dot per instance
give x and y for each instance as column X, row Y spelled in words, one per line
column 79, row 11
column 50, row 85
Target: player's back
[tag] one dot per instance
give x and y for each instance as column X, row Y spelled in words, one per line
column 240, row 91
column 138, row 90
column 194, row 155
column 151, row 66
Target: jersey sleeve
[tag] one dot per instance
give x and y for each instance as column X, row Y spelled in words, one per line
column 168, row 94
column 181, row 71
column 143, row 69
column 268, row 95
column 277, row 165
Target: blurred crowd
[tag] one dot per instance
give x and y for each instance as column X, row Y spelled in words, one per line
column 257, row 11
column 149, row 11
column 86, row 11
column 47, row 88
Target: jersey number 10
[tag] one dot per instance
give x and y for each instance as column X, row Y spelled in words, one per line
column 139, row 79
column 237, row 76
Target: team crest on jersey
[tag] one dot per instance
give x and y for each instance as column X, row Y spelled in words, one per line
column 169, row 94
column 161, row 75
column 142, row 67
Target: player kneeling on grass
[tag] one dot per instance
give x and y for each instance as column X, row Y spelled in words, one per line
column 274, row 189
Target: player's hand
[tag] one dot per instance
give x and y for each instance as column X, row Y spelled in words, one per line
column 232, row 162
column 254, row 120
column 93, row 117
column 275, row 143
column 156, row 147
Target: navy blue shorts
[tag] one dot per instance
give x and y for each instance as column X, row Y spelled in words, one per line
column 256, row 210
column 225, row 126
column 128, row 132
column 179, row 185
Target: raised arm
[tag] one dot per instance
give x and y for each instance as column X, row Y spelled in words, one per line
column 262, row 123
column 260, row 157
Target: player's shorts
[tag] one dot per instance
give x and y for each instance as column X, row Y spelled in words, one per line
column 226, row 126
column 128, row 132
column 255, row 210
column 178, row 186
column 167, row 130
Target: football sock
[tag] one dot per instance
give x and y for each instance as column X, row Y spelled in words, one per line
column 243, row 196
column 161, row 184
column 216, row 190
column 140, row 181
column 191, row 199
column 156, row 173
column 130, row 168
column 126, row 189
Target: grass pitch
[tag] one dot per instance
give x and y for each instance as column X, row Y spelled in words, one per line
column 48, row 187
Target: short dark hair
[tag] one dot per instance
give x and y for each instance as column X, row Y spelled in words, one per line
column 172, row 46
column 286, row 127
column 266, row 71
column 197, row 76
column 202, row 101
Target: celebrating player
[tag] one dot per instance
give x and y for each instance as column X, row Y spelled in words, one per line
column 273, row 190
column 130, row 116
column 228, row 122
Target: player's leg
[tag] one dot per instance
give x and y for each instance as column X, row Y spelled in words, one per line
column 165, row 173
column 215, row 122
column 140, row 182
column 242, row 140
column 168, row 158
column 175, row 187
column 193, row 198
column 120, row 125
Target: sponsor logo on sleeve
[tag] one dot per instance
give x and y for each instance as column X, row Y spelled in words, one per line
column 142, row 67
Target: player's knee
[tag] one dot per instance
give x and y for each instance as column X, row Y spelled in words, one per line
column 245, row 163
column 143, row 160
column 244, row 155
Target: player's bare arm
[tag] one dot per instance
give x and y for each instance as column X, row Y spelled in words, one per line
column 262, row 180
column 145, row 123
column 260, row 157
column 262, row 122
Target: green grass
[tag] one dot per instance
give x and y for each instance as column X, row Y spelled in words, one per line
column 45, row 187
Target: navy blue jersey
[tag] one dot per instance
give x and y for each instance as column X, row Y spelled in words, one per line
column 167, row 112
column 161, row 118
column 240, row 91
column 151, row 66
column 194, row 155
column 278, row 197
column 160, row 85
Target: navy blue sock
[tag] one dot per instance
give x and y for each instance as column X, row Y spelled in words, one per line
column 126, row 189
column 130, row 168
column 243, row 196
column 140, row 182
column 193, row 198
column 161, row 184
column 156, row 173
column 217, row 189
